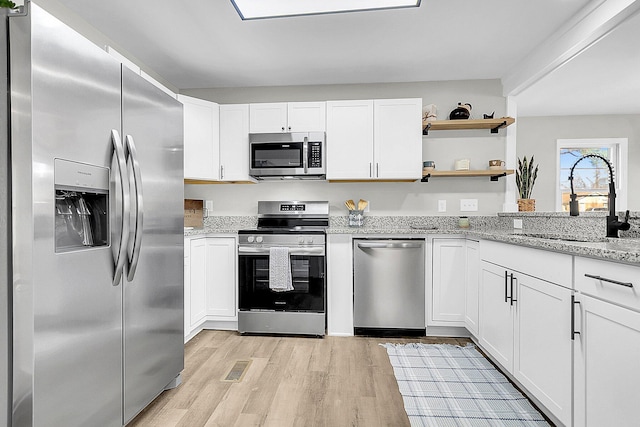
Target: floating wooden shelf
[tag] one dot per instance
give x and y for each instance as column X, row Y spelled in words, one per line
column 492, row 174
column 493, row 124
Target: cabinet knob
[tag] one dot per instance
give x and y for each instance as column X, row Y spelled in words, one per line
column 282, row 128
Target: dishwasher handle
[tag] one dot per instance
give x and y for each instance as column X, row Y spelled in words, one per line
column 390, row 245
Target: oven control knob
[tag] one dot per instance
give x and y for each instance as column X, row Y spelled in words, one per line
column 250, row 239
column 259, row 239
column 300, row 239
column 310, row 240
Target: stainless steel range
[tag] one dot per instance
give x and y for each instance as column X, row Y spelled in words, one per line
column 282, row 269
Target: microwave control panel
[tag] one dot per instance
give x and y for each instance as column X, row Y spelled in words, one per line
column 315, row 155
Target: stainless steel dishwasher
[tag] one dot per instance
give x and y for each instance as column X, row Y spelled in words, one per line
column 388, row 276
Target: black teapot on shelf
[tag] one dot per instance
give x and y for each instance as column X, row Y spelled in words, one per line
column 461, row 112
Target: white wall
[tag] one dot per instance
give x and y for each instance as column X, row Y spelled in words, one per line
column 537, row 136
column 386, row 198
column 73, row 20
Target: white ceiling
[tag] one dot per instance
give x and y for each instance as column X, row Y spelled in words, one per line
column 204, row 44
column 604, row 79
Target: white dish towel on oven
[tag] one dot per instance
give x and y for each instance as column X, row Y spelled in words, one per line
column 279, row 270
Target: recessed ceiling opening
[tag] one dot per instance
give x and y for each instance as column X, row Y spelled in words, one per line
column 261, row 9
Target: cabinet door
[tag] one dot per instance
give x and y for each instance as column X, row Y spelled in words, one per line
column 198, row 268
column 472, row 286
column 187, row 288
column 542, row 359
column 449, row 261
column 350, row 139
column 496, row 314
column 221, row 277
column 398, row 138
column 234, row 142
column 339, row 285
column 606, row 368
column 268, row 118
column 201, row 139
column 306, row 116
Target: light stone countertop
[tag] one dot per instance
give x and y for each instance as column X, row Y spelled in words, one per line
column 625, row 250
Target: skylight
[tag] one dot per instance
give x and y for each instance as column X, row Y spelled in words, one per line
column 260, row 9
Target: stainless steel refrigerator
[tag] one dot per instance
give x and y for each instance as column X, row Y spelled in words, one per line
column 91, row 218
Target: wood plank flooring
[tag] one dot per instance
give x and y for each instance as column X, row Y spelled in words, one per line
column 291, row 381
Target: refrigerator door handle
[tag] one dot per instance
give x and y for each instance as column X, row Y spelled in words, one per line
column 121, row 161
column 135, row 240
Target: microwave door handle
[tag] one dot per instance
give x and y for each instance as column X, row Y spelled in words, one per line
column 305, row 153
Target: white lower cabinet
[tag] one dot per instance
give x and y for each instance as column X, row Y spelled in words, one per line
column 542, row 353
column 607, row 344
column 187, row 287
column 339, row 285
column 525, row 322
column 221, row 277
column 472, row 288
column 607, row 364
column 447, row 299
column 210, row 282
column 197, row 282
column 496, row 314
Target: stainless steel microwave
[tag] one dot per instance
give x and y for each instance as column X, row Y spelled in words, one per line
column 296, row 155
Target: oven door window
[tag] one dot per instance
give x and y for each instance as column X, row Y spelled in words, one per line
column 307, row 276
column 276, row 155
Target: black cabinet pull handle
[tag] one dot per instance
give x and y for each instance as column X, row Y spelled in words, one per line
column 506, row 298
column 573, row 317
column 511, row 286
column 604, row 279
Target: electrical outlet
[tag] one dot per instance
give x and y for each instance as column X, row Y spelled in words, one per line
column 517, row 223
column 442, row 205
column 468, row 205
column 208, row 208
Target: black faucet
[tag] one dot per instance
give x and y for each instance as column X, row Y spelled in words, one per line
column 613, row 223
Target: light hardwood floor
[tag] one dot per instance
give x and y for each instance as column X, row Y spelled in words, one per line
column 291, row 381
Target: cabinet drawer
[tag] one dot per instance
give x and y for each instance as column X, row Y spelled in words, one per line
column 610, row 281
column 546, row 265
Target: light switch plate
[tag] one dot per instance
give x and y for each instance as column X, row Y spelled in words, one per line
column 468, row 205
column 442, row 205
column 208, row 208
column 517, row 223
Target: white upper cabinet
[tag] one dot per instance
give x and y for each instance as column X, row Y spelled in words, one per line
column 307, row 116
column 397, row 138
column 234, row 142
column 379, row 139
column 287, row 117
column 349, row 139
column 201, row 138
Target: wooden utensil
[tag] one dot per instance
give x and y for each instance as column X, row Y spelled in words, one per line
column 350, row 204
column 362, row 204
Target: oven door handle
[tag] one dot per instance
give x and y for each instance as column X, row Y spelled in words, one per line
column 292, row 251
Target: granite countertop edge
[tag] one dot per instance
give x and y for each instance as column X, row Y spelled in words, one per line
column 625, row 250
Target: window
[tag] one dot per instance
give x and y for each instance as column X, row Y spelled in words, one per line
column 591, row 175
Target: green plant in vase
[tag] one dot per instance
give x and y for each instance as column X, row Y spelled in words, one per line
column 8, row 4
column 525, row 179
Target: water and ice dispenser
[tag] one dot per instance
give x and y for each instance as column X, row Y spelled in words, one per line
column 82, row 205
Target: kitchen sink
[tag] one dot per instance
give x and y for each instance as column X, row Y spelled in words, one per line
column 563, row 237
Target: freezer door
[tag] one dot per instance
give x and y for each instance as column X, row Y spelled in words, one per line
column 153, row 292
column 67, row 315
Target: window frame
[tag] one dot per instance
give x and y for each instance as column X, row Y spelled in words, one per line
column 619, row 146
